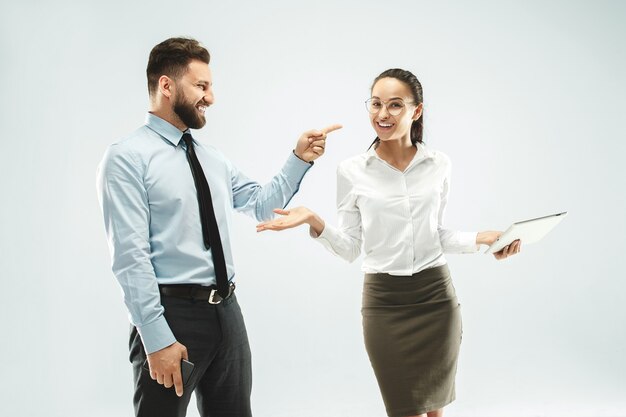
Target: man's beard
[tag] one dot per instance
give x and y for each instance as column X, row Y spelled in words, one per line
column 188, row 113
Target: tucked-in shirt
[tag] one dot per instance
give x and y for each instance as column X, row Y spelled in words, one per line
column 396, row 216
column 152, row 218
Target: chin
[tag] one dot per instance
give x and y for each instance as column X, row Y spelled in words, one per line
column 387, row 138
column 198, row 124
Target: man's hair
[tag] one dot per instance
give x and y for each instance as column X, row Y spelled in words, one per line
column 171, row 57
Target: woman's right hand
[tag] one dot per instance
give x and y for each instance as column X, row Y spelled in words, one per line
column 293, row 218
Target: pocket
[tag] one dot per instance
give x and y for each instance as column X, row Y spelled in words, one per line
column 136, row 354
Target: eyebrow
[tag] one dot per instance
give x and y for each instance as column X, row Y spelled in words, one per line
column 392, row 98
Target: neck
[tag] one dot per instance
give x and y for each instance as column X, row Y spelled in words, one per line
column 167, row 113
column 398, row 150
column 397, row 153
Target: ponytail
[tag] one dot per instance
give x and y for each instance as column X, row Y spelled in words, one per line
column 417, row 130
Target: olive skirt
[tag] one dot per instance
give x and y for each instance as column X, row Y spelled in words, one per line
column 412, row 329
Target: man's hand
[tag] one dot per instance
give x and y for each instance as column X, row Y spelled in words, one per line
column 312, row 143
column 165, row 366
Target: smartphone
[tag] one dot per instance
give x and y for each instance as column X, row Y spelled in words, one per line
column 186, row 369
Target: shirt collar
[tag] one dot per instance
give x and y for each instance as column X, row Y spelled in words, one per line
column 422, row 153
column 164, row 128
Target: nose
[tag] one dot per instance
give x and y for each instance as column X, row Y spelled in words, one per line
column 383, row 113
column 209, row 98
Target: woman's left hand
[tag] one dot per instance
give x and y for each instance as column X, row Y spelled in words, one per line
column 489, row 237
column 509, row 250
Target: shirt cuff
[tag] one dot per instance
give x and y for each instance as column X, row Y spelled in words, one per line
column 467, row 242
column 328, row 235
column 156, row 335
column 296, row 167
column 310, row 162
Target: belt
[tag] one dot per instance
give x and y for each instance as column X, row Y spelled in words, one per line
column 196, row 292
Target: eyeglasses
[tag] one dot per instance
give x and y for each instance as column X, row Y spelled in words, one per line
column 394, row 107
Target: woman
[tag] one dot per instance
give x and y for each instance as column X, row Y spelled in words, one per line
column 391, row 200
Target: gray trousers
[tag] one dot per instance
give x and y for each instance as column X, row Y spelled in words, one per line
column 217, row 343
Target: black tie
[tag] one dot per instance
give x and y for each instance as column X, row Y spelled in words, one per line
column 210, row 231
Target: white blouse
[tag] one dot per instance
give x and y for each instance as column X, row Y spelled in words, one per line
column 397, row 216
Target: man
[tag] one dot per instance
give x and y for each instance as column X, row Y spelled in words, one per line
column 167, row 203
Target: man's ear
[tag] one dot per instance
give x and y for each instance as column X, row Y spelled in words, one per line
column 166, row 86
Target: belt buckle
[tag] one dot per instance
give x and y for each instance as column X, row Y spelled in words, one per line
column 212, row 300
column 212, row 296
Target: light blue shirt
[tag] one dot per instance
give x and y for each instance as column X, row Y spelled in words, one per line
column 152, row 220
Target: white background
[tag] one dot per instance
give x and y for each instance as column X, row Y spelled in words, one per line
column 527, row 98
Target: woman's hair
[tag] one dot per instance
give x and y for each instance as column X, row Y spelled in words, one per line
column 417, row 128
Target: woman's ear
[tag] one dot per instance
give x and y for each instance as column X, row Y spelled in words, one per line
column 418, row 111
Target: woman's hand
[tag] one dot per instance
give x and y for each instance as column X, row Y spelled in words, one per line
column 489, row 237
column 293, row 218
column 509, row 250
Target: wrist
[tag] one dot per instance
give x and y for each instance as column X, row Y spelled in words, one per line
column 315, row 222
column 300, row 157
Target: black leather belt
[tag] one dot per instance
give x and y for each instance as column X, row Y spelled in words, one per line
column 196, row 292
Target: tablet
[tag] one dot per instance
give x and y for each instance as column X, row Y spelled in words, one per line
column 528, row 231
